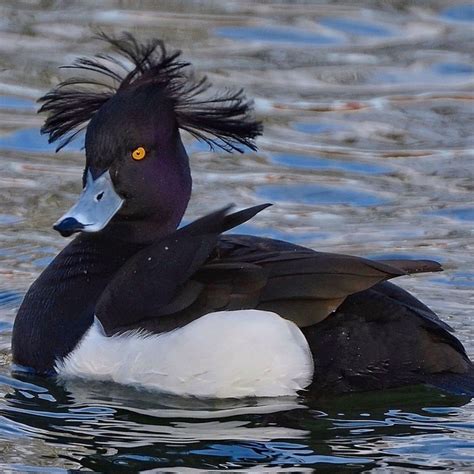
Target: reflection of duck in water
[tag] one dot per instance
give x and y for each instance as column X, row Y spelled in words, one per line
column 80, row 418
column 191, row 311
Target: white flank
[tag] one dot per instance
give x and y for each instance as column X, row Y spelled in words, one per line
column 223, row 354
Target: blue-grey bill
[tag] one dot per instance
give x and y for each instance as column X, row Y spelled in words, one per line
column 96, row 206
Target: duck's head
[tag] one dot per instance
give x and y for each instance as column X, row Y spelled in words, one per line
column 137, row 181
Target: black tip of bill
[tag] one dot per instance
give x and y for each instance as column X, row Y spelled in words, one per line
column 68, row 226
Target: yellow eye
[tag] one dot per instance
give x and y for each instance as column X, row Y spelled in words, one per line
column 139, row 153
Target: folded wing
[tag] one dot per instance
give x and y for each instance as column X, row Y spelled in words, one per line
column 196, row 271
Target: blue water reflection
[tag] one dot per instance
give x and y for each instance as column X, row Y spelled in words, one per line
column 293, row 236
column 30, row 139
column 9, row 298
column 318, row 194
column 459, row 12
column 321, row 163
column 458, row 279
column 8, row 220
column 356, row 27
column 18, row 103
column 274, row 35
column 317, row 128
column 461, row 213
column 453, row 68
column 408, row 256
column 275, row 454
column 425, row 75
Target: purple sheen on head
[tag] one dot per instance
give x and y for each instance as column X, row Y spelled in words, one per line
column 155, row 199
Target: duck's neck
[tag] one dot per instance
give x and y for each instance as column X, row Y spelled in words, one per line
column 142, row 231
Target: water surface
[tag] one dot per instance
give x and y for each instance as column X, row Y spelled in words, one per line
column 368, row 149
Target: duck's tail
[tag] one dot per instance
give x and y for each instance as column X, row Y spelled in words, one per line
column 456, row 384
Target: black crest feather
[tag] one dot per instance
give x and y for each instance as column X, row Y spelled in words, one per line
column 225, row 121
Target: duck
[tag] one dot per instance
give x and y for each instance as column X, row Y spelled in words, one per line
column 135, row 298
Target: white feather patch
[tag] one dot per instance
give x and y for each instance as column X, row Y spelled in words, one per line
column 223, row 354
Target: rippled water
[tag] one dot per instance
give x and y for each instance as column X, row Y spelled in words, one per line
column 368, row 149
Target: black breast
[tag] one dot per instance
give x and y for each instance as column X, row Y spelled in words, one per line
column 59, row 306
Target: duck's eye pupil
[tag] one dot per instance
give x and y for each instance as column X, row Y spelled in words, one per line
column 139, row 153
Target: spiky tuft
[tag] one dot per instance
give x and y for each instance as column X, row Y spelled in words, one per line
column 225, row 121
